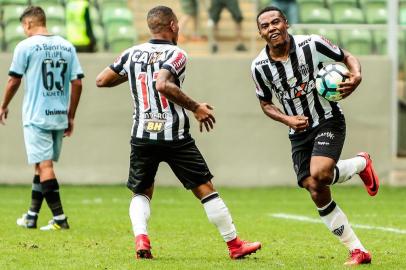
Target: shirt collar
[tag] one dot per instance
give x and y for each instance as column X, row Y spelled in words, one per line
column 160, row 41
column 291, row 50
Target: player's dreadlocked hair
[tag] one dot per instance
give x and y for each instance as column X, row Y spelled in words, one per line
column 159, row 18
column 34, row 12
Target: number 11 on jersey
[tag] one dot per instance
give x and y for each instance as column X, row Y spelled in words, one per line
column 143, row 79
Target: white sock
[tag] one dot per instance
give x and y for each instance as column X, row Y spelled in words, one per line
column 60, row 217
column 140, row 212
column 347, row 168
column 31, row 213
column 337, row 222
column 218, row 214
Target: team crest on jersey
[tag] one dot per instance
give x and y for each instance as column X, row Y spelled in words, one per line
column 154, row 126
column 304, row 69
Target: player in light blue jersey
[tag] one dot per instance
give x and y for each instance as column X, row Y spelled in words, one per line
column 49, row 64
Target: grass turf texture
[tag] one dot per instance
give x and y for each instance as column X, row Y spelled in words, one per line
column 182, row 238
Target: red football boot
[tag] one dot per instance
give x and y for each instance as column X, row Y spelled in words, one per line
column 358, row 257
column 143, row 247
column 369, row 176
column 239, row 248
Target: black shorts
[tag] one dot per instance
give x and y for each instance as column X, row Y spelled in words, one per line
column 327, row 140
column 182, row 156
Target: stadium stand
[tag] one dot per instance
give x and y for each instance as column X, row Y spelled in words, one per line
column 55, row 14
column 120, row 38
column 337, row 5
column 330, row 34
column 47, row 2
column 107, row 15
column 11, row 14
column 357, row 41
column 315, row 15
column 13, row 2
column 13, row 34
column 349, row 15
column 308, row 4
column 376, row 14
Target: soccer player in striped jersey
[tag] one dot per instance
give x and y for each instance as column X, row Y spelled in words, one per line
column 155, row 71
column 50, row 64
column 286, row 68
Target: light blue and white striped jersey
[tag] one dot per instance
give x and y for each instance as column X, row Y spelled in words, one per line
column 48, row 63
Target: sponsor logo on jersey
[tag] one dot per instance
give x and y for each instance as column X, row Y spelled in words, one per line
column 301, row 44
column 327, row 134
column 56, row 112
column 148, row 57
column 262, row 62
column 179, row 61
column 329, row 42
column 154, row 126
column 155, row 115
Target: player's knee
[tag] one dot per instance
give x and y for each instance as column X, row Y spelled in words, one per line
column 45, row 167
column 313, row 186
column 322, row 176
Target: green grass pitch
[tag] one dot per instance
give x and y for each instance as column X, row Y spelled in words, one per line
column 182, row 238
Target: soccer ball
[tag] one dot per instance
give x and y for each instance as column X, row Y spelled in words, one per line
column 327, row 81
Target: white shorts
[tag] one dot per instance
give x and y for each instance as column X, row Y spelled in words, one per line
column 42, row 144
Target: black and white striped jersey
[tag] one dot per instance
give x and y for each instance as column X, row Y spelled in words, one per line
column 155, row 117
column 294, row 82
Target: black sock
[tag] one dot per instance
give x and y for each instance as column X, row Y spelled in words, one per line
column 36, row 195
column 50, row 190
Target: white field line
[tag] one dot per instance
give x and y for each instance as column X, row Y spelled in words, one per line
column 314, row 220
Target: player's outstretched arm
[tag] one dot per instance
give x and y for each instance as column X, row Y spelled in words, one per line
column 296, row 122
column 109, row 78
column 355, row 77
column 203, row 112
column 76, row 92
column 12, row 86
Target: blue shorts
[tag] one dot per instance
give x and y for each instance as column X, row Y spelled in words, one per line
column 42, row 144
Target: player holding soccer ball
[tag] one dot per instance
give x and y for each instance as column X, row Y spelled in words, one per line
column 287, row 68
column 155, row 71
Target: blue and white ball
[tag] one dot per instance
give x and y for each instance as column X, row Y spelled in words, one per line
column 327, row 81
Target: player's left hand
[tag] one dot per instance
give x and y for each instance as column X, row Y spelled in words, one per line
column 348, row 86
column 68, row 132
column 3, row 115
column 204, row 114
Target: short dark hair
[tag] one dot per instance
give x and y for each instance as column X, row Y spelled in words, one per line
column 159, row 18
column 34, row 11
column 271, row 8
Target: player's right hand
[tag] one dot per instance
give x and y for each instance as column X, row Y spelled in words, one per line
column 68, row 132
column 204, row 114
column 3, row 115
column 298, row 122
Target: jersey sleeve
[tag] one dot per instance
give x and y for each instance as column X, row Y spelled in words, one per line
column 20, row 61
column 176, row 63
column 326, row 50
column 77, row 71
column 263, row 88
column 118, row 65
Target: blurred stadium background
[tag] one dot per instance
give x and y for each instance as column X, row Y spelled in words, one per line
column 246, row 148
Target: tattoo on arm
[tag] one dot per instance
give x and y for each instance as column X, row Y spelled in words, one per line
column 171, row 91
